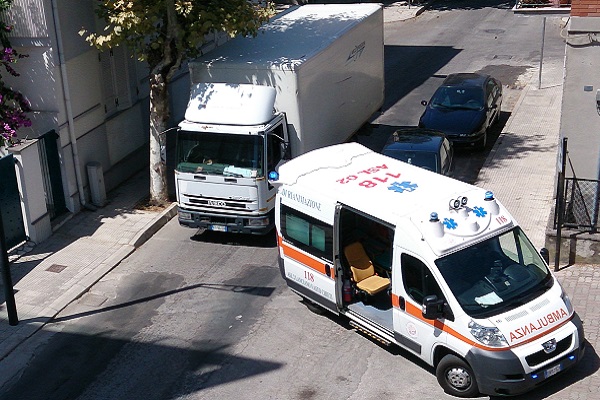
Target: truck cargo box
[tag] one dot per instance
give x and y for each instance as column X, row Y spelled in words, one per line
column 325, row 62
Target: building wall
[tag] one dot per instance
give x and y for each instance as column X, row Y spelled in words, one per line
column 580, row 115
column 98, row 102
column 79, row 98
column 585, row 8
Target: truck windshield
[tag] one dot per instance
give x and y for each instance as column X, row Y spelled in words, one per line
column 220, row 154
column 496, row 275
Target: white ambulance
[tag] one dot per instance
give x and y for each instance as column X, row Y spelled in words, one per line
column 419, row 260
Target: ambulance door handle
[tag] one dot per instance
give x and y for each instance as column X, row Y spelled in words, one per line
column 402, row 303
column 328, row 270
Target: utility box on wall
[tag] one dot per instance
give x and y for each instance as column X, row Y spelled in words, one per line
column 96, row 182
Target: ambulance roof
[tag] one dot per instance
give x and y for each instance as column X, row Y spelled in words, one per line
column 392, row 191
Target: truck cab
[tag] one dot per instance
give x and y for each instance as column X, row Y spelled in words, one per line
column 230, row 140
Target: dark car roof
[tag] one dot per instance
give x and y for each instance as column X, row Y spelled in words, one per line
column 415, row 139
column 466, row 79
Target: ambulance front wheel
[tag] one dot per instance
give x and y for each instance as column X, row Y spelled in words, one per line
column 456, row 377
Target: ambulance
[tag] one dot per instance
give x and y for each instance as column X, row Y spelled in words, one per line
column 425, row 262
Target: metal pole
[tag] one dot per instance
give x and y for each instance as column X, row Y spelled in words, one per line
column 559, row 204
column 9, row 293
column 542, row 52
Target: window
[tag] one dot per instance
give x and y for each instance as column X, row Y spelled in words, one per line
column 120, row 79
column 307, row 233
column 207, row 153
column 444, row 157
column 491, row 91
column 274, row 148
column 496, row 275
column 418, row 280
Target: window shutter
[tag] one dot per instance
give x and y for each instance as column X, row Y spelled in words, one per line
column 109, row 94
column 121, row 71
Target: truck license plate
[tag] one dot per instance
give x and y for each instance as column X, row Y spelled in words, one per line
column 218, row 228
column 552, row 371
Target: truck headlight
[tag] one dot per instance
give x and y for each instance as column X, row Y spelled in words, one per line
column 490, row 336
column 258, row 222
column 185, row 215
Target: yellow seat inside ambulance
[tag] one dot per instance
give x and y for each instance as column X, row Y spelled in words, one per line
column 363, row 272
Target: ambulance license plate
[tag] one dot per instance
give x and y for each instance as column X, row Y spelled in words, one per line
column 218, row 228
column 552, row 371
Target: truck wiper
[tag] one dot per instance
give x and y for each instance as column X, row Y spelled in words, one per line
column 233, row 174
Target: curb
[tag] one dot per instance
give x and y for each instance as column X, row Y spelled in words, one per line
column 152, row 227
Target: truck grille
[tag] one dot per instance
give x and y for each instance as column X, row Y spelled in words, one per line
column 541, row 356
column 217, row 203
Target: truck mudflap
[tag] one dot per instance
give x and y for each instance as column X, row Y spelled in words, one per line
column 260, row 225
column 501, row 372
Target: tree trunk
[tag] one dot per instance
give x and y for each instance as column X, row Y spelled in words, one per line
column 159, row 115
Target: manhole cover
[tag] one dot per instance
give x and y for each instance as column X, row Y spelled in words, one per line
column 494, row 31
column 56, row 268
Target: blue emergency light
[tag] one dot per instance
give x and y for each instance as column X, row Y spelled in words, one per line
column 273, row 176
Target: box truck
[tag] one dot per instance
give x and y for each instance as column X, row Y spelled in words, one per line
column 311, row 77
column 428, row 263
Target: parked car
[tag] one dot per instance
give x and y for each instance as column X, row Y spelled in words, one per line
column 424, row 148
column 464, row 107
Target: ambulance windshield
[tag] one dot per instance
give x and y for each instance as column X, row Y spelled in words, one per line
column 238, row 156
column 496, row 275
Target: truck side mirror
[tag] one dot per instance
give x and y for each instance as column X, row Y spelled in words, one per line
column 287, row 152
column 432, row 308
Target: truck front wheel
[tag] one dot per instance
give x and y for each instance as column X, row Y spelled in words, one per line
column 456, row 377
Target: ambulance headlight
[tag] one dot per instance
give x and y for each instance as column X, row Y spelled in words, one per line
column 490, row 336
column 567, row 301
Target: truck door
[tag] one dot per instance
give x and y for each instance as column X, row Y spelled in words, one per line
column 307, row 245
column 414, row 282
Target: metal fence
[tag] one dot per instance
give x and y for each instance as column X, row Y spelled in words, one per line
column 542, row 3
column 580, row 204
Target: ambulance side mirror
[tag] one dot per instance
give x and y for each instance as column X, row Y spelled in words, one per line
column 432, row 308
column 545, row 255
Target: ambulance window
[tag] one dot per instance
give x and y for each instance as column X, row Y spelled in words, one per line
column 307, row 233
column 418, row 280
column 515, row 248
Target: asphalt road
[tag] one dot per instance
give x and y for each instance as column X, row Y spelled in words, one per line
column 209, row 317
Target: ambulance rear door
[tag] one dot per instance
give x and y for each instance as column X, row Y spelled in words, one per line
column 307, row 246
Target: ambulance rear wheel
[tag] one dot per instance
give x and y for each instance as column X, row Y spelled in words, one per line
column 456, row 377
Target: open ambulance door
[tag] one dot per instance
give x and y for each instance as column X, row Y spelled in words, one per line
column 307, row 247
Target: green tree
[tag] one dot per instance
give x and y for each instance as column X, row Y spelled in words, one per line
column 164, row 33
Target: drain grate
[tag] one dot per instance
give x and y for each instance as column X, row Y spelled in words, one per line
column 56, row 268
